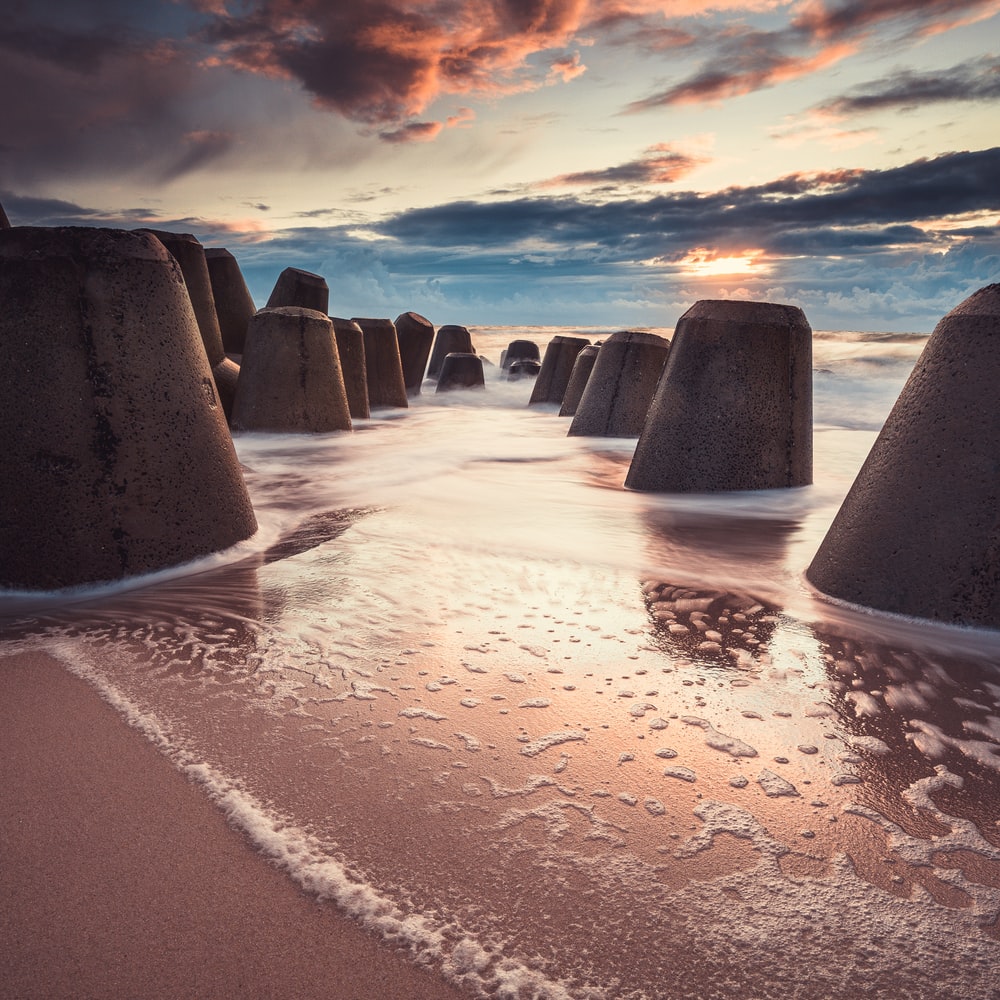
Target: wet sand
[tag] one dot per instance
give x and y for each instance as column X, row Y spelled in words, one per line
column 119, row 878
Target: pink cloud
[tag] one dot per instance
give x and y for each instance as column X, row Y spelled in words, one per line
column 659, row 164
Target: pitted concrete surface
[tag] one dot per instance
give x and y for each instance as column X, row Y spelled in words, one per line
column 383, row 365
column 919, row 532
column 578, row 378
column 557, row 366
column 291, row 379
column 415, row 335
column 117, row 459
column 450, row 339
column 351, row 347
column 733, row 410
column 620, row 388
column 234, row 305
column 304, row 289
column 461, row 371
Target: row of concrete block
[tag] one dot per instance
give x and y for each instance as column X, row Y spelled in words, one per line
column 113, row 409
column 727, row 405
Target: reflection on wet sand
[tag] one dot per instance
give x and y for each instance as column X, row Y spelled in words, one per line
column 598, row 756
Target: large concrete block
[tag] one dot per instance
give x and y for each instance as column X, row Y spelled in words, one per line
column 4, row 221
column 234, row 305
column 733, row 410
column 461, row 371
column 351, row 346
column 116, row 456
column 383, row 365
column 919, row 531
column 190, row 254
column 296, row 287
column 557, row 366
column 621, row 386
column 415, row 335
column 519, row 350
column 450, row 339
column 578, row 378
column 291, row 379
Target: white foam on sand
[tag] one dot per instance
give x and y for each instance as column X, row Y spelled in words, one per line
column 462, row 959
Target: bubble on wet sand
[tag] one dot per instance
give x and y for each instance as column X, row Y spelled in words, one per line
column 535, row 703
column 471, row 743
column 640, row 708
column 681, row 773
column 720, row 741
column 775, row 786
column 654, row 807
column 429, row 744
column 422, row 713
column 543, row 743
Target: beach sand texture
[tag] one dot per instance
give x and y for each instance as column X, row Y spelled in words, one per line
column 119, row 878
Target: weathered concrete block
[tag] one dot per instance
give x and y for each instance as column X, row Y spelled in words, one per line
column 461, row 371
column 190, row 254
column 351, row 347
column 520, row 350
column 733, row 410
column 919, row 531
column 4, row 221
column 291, row 379
column 116, row 459
column 383, row 365
column 450, row 339
column 304, row 289
column 415, row 336
column 523, row 368
column 621, row 386
column 582, row 367
column 557, row 366
column 234, row 305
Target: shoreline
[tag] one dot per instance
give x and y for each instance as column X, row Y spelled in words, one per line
column 121, row 878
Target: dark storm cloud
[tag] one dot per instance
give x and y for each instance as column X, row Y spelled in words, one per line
column 383, row 62
column 831, row 212
column 967, row 82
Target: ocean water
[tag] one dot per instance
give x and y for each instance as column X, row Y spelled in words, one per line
column 557, row 739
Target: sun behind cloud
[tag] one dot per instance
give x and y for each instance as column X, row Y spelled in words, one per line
column 704, row 263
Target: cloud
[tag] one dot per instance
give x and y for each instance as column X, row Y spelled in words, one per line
column 978, row 80
column 412, row 132
column 383, row 63
column 743, row 60
column 831, row 212
column 660, row 164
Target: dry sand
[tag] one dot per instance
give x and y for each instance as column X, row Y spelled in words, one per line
column 119, row 878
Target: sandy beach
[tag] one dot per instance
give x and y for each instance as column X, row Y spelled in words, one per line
column 121, row 879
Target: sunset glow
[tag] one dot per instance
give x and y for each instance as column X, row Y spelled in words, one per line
column 703, row 263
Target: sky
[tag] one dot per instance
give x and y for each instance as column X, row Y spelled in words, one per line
column 529, row 162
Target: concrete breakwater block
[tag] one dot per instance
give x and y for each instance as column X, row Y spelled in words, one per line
column 520, row 350
column 234, row 305
column 295, row 287
column 621, row 386
column 291, row 379
column 415, row 335
column 461, row 371
column 450, row 339
column 351, row 347
column 190, row 254
column 919, row 531
column 383, row 365
column 582, row 367
column 733, row 410
column 117, row 459
column 523, row 368
column 4, row 221
column 557, row 366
